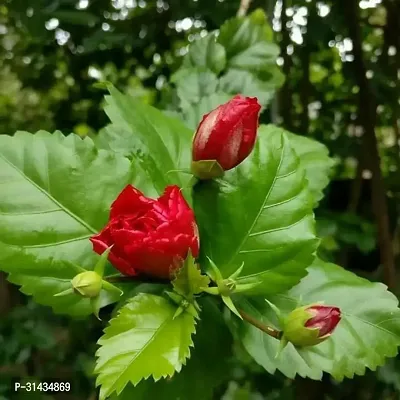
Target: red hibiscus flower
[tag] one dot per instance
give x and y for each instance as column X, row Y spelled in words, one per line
column 149, row 236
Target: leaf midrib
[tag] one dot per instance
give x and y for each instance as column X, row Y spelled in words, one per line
column 138, row 353
column 49, row 196
column 372, row 325
column 246, row 236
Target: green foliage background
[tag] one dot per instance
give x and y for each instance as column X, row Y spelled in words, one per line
column 52, row 53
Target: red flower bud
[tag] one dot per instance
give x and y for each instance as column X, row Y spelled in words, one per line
column 149, row 236
column 310, row 325
column 325, row 319
column 226, row 135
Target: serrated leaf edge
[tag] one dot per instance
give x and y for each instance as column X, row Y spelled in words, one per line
column 186, row 357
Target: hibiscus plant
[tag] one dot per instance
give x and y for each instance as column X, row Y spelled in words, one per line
column 193, row 242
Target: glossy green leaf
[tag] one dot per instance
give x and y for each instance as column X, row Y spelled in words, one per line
column 248, row 43
column 314, row 158
column 122, row 142
column 237, row 81
column 368, row 332
column 44, row 283
column 206, row 53
column 207, row 367
column 193, row 84
column 158, row 144
column 259, row 214
column 143, row 340
column 50, row 204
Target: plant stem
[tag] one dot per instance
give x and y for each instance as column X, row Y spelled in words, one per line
column 243, row 8
column 258, row 324
column 130, row 279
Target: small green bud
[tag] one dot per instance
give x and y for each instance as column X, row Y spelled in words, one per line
column 87, row 284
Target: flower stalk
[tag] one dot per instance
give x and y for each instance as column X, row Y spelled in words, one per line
column 258, row 324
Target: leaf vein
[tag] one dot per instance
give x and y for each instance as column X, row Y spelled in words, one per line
column 48, row 195
column 32, row 212
column 287, row 174
column 280, row 228
column 37, row 246
column 373, row 325
column 261, row 250
column 138, row 353
column 283, row 201
column 246, row 236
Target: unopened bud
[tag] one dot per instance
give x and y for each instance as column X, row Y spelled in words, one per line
column 225, row 137
column 311, row 325
column 87, row 284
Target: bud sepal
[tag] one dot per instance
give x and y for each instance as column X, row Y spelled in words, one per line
column 226, row 287
column 89, row 284
column 207, row 169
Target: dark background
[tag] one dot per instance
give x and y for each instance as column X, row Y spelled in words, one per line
column 341, row 59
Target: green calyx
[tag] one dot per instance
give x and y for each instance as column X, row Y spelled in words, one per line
column 295, row 331
column 184, row 305
column 207, row 169
column 87, row 284
column 226, row 287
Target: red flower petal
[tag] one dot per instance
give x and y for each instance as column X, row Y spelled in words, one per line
column 101, row 242
column 325, row 318
column 130, row 201
column 148, row 235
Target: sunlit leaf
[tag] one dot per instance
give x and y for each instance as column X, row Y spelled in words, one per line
column 56, row 193
column 368, row 333
column 144, row 340
column 259, row 214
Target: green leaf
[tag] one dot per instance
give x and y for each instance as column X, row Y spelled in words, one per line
column 259, row 214
column 193, row 114
column 368, row 332
column 248, row 44
column 206, row 53
column 122, row 142
column 50, row 204
column 207, row 367
column 189, row 280
column 193, row 84
column 314, row 158
column 143, row 340
column 45, row 283
column 157, row 143
column 237, row 81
